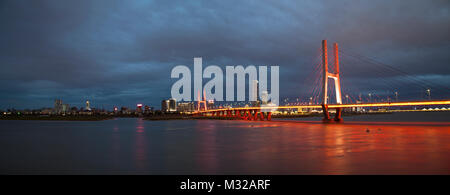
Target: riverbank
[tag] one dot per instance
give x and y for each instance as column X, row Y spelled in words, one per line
column 174, row 116
column 58, row 117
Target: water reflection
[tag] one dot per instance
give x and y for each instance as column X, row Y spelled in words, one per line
column 207, row 156
column 140, row 145
column 373, row 149
column 116, row 146
column 225, row 147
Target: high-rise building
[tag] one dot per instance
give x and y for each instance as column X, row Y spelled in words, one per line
column 169, row 105
column 186, row 107
column 65, row 108
column 165, row 106
column 172, row 105
column 58, row 106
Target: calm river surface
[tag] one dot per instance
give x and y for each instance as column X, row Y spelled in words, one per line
column 360, row 145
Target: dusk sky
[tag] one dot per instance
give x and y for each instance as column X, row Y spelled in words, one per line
column 122, row 52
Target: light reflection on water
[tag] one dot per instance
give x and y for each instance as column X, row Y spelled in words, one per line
column 136, row 146
column 141, row 145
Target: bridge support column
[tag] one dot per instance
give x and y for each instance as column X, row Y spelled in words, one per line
column 229, row 113
column 248, row 114
column 338, row 116
column 326, row 114
column 255, row 117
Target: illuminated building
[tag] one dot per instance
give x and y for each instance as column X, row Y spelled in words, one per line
column 65, row 108
column 88, row 105
column 148, row 109
column 165, row 106
column 139, row 108
column 124, row 110
column 172, row 105
column 210, row 103
column 169, row 105
column 186, row 107
column 60, row 108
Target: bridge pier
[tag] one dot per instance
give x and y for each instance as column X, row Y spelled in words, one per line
column 260, row 116
column 338, row 115
column 255, row 116
column 245, row 114
column 326, row 114
column 248, row 114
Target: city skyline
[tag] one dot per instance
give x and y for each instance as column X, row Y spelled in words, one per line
column 121, row 54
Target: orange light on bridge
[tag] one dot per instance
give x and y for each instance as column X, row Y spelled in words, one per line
column 411, row 103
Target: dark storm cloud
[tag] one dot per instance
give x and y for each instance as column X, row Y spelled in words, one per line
column 121, row 52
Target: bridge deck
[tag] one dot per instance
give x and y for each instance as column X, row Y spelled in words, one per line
column 380, row 104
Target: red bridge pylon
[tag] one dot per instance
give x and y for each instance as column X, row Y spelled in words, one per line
column 337, row 82
column 203, row 101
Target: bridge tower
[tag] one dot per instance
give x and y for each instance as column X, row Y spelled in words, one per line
column 337, row 82
column 200, row 102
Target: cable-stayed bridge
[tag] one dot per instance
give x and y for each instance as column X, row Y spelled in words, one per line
column 328, row 95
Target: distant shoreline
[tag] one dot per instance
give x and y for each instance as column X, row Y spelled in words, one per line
column 163, row 117
column 56, row 118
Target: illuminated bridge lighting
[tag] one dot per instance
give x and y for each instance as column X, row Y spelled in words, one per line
column 381, row 104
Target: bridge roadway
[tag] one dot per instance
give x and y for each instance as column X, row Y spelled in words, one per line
column 264, row 112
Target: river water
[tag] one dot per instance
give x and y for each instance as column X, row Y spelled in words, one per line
column 360, row 145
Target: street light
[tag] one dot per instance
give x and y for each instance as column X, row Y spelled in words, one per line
column 396, row 96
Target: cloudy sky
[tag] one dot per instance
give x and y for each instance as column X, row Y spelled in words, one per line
column 122, row 52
